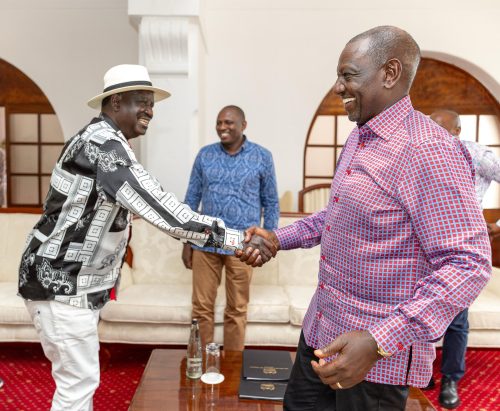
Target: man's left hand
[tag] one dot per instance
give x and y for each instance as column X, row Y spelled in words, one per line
column 357, row 353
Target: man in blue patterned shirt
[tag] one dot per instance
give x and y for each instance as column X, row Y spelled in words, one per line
column 241, row 202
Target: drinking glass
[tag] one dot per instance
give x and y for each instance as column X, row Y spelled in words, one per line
column 212, row 364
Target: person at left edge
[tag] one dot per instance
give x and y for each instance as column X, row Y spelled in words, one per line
column 73, row 255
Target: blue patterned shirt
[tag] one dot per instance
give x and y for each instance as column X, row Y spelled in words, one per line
column 239, row 188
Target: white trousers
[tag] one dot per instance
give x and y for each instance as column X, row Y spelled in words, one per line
column 69, row 340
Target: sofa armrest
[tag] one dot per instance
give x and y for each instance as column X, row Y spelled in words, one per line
column 494, row 283
column 126, row 279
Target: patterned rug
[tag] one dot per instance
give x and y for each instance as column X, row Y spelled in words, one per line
column 479, row 390
column 29, row 386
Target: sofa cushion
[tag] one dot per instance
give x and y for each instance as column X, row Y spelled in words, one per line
column 12, row 308
column 300, row 297
column 125, row 277
column 484, row 313
column 15, row 228
column 151, row 303
column 268, row 304
column 157, row 256
column 267, row 274
column 152, row 249
column 287, row 220
column 299, row 267
column 162, row 303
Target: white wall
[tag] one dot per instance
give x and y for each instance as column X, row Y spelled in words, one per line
column 65, row 46
column 275, row 58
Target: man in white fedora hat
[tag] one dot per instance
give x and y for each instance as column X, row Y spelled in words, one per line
column 73, row 255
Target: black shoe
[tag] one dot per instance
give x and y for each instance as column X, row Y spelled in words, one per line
column 448, row 396
column 431, row 384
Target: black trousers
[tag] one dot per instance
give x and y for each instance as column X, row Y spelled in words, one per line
column 455, row 347
column 306, row 392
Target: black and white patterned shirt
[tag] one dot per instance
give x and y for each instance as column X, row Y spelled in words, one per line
column 75, row 251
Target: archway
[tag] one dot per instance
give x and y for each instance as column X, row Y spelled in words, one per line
column 30, row 139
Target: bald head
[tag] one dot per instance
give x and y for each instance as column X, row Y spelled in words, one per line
column 449, row 120
column 389, row 42
column 235, row 109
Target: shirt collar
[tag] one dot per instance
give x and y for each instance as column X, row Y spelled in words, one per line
column 243, row 147
column 107, row 119
column 385, row 124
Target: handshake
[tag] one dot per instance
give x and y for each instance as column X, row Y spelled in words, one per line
column 259, row 247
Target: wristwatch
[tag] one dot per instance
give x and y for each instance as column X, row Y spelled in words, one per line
column 382, row 352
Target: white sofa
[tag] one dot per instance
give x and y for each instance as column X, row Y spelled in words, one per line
column 15, row 323
column 154, row 303
column 154, row 300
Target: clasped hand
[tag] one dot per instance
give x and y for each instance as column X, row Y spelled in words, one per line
column 259, row 247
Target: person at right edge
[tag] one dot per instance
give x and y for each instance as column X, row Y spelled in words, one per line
column 487, row 167
column 404, row 245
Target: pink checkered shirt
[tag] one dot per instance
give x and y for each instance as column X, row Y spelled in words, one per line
column 404, row 246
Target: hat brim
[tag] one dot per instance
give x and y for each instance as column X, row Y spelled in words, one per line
column 159, row 94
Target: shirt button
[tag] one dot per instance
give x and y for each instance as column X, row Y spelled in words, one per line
column 322, row 286
column 319, row 315
column 335, row 199
column 400, row 346
column 323, row 257
column 362, row 145
column 348, row 172
column 327, row 228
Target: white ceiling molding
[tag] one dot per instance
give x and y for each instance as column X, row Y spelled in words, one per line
column 164, row 7
column 163, row 44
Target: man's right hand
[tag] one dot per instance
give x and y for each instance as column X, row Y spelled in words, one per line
column 187, row 256
column 260, row 246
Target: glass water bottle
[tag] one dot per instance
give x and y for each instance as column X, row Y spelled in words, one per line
column 194, row 356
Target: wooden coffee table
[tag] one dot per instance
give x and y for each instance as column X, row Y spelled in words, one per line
column 164, row 386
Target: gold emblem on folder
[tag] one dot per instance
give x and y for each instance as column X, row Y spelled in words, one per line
column 269, row 371
column 267, row 387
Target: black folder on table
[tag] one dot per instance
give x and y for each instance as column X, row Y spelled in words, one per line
column 262, row 390
column 269, row 365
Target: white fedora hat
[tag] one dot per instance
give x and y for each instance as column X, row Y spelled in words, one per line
column 126, row 77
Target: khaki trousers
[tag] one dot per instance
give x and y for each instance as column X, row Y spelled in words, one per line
column 207, row 275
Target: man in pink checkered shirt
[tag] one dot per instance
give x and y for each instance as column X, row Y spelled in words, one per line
column 404, row 246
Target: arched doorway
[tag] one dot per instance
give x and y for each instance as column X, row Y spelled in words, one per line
column 437, row 85
column 30, row 139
